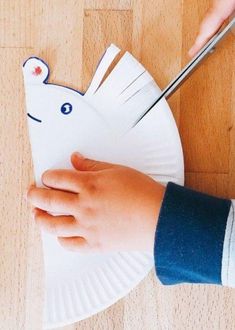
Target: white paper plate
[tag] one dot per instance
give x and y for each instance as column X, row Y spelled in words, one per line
column 97, row 124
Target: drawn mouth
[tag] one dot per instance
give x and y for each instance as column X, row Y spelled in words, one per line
column 34, row 118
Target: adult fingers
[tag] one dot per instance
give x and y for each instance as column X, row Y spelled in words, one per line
column 209, row 26
column 53, row 200
column 65, row 226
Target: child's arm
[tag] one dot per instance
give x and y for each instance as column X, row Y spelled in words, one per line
column 114, row 208
column 194, row 239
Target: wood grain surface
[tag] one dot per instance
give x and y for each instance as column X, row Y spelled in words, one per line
column 71, row 35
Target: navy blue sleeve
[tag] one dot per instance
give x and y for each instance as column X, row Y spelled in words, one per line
column 189, row 236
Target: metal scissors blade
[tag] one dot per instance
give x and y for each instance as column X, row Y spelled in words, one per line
column 190, row 67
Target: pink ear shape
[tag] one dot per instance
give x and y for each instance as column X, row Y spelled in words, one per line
column 35, row 71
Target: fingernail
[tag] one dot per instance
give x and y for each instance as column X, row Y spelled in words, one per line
column 190, row 53
column 78, row 155
column 26, row 197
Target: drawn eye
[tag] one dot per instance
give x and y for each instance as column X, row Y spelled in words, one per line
column 66, row 108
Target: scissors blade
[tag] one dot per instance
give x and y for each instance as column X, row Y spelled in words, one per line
column 189, row 68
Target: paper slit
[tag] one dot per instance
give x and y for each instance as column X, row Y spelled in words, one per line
column 102, row 68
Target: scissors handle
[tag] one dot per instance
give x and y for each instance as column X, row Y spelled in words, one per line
column 190, row 67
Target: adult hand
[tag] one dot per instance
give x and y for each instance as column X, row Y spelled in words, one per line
column 215, row 17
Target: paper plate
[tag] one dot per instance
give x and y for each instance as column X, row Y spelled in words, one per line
column 99, row 124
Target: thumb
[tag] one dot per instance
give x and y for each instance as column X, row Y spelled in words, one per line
column 85, row 164
column 209, row 26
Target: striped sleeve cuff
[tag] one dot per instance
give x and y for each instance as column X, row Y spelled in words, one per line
column 190, row 237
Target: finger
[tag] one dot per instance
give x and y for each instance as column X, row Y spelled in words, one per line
column 65, row 226
column 65, row 179
column 84, row 164
column 76, row 244
column 53, row 200
column 209, row 26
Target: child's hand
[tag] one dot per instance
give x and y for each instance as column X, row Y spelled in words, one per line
column 215, row 17
column 110, row 207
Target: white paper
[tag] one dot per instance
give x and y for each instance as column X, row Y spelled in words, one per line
column 98, row 125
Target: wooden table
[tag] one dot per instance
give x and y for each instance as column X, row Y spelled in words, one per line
column 71, row 36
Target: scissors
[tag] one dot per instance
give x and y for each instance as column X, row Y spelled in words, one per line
column 190, row 67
